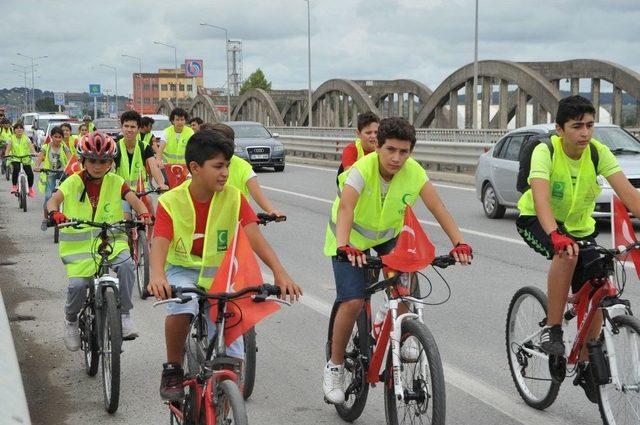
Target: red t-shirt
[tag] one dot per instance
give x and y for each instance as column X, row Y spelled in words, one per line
column 350, row 155
column 163, row 226
column 93, row 190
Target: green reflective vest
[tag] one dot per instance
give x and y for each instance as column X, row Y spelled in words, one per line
column 359, row 148
column 239, row 172
column 145, row 140
column 77, row 245
column 131, row 172
column 174, row 148
column 21, row 147
column 91, row 126
column 375, row 222
column 71, row 143
column 65, row 155
column 222, row 220
column 5, row 134
column 571, row 205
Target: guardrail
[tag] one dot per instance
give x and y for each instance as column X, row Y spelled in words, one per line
column 13, row 403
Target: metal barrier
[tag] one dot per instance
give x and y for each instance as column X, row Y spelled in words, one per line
column 13, row 403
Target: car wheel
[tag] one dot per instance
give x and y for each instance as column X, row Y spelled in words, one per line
column 490, row 204
column 279, row 168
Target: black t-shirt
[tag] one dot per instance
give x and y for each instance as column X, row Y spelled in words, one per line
column 146, row 154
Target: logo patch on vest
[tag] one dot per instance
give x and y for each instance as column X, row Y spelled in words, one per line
column 223, row 238
column 557, row 190
column 180, row 249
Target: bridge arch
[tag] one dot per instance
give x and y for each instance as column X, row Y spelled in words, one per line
column 257, row 105
column 165, row 107
column 203, row 106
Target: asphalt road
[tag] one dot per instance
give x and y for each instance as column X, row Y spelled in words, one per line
column 469, row 329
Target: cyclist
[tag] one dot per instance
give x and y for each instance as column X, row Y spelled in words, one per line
column 369, row 213
column 54, row 156
column 20, row 145
column 94, row 194
column 187, row 241
column 365, row 142
column 176, row 137
column 5, row 134
column 241, row 174
column 195, row 124
column 69, row 139
column 83, row 130
column 145, row 135
column 87, row 120
column 556, row 212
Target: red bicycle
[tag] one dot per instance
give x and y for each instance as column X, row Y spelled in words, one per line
column 414, row 388
column 614, row 357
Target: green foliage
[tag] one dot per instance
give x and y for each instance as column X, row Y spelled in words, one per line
column 46, row 105
column 256, row 80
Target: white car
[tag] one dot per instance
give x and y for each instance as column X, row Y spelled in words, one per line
column 41, row 123
column 27, row 120
column 161, row 122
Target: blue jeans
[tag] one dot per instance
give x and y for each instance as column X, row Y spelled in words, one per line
column 52, row 180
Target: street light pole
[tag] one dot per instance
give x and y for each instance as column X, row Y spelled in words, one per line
column 26, row 97
column 226, row 54
column 475, row 76
column 33, row 78
column 175, row 58
column 310, row 120
column 115, row 70
column 140, row 73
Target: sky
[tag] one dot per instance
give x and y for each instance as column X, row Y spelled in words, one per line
column 424, row 40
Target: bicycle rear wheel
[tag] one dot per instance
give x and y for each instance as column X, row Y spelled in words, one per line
column 142, row 269
column 528, row 364
column 230, row 408
column 622, row 406
column 248, row 377
column 23, row 193
column 89, row 340
column 111, row 349
column 355, row 367
column 423, row 380
column 7, row 171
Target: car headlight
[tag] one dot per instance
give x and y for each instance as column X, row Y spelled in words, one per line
column 238, row 149
column 278, row 148
column 604, row 183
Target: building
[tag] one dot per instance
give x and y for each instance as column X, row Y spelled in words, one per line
column 149, row 89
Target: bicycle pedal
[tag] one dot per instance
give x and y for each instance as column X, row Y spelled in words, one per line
column 129, row 338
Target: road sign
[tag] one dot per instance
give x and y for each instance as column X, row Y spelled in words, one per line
column 58, row 99
column 94, row 90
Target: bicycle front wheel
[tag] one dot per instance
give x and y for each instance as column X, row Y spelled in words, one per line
column 529, row 365
column 621, row 405
column 424, row 397
column 111, row 348
column 89, row 340
column 142, row 270
column 248, row 377
column 23, row 193
column 230, row 408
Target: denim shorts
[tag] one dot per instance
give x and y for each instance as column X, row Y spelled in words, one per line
column 351, row 281
column 186, row 278
column 126, row 207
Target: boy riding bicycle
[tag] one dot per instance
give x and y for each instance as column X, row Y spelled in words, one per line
column 94, row 194
column 195, row 223
column 369, row 213
column 20, row 146
column 557, row 211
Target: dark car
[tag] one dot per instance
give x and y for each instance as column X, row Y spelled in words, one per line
column 255, row 144
column 110, row 126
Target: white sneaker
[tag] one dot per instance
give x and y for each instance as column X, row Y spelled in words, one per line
column 128, row 328
column 409, row 352
column 71, row 335
column 333, row 383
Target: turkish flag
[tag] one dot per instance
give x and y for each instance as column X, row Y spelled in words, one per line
column 622, row 230
column 413, row 251
column 239, row 269
column 176, row 174
column 73, row 166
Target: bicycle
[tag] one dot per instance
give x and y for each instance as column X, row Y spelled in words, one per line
column 615, row 368
column 5, row 166
column 23, row 185
column 60, row 175
column 212, row 395
column 420, row 393
column 99, row 320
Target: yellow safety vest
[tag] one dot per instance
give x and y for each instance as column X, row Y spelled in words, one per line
column 375, row 222
column 239, row 171
column 145, row 140
column 21, row 147
column 222, row 220
column 571, row 205
column 77, row 245
column 46, row 163
column 359, row 148
column 71, row 144
column 131, row 172
column 91, row 126
column 174, row 149
column 5, row 134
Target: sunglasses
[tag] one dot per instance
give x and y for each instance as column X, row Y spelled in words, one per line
column 98, row 161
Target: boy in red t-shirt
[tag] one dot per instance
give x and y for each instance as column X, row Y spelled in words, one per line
column 365, row 143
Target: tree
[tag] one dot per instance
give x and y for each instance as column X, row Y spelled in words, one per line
column 256, row 80
column 46, row 104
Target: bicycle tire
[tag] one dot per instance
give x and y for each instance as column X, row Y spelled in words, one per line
column 230, row 400
column 23, row 193
column 56, row 234
column 609, row 413
column 519, row 361
column 7, row 171
column 436, row 397
column 111, row 334
column 248, row 377
column 142, row 267
column 89, row 339
column 355, row 365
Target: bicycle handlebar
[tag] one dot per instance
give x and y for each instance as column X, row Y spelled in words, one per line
column 50, row 171
column 77, row 222
column 622, row 249
column 373, row 262
column 20, row 156
column 262, row 291
column 147, row 192
column 264, row 218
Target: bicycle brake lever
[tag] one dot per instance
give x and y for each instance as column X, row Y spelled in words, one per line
column 258, row 299
column 185, row 299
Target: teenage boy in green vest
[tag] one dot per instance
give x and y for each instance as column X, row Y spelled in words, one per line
column 176, row 137
column 195, row 123
column 556, row 212
column 145, row 135
column 20, row 145
column 189, row 219
column 366, row 140
column 54, row 156
column 369, row 213
column 94, row 194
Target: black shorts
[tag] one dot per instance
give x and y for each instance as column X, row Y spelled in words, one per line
column 534, row 235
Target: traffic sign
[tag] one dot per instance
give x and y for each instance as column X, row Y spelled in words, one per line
column 58, row 99
column 94, row 90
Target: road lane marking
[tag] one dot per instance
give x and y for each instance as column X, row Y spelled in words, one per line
column 429, row 223
column 448, row 186
column 478, row 389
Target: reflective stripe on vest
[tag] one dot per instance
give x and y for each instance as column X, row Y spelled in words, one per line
column 222, row 220
column 92, row 234
column 174, row 148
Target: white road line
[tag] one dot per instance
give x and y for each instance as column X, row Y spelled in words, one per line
column 488, row 394
column 429, row 223
column 448, row 186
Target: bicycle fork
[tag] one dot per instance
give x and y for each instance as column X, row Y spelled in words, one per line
column 394, row 349
column 609, row 332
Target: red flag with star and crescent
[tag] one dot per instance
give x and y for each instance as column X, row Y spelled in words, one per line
column 176, row 174
column 413, row 251
column 622, row 231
